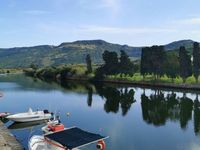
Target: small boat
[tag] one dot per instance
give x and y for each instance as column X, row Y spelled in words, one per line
column 67, row 139
column 37, row 142
column 54, row 125
column 30, row 116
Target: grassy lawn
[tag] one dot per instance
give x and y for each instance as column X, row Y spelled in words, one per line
column 137, row 77
column 81, row 69
column 149, row 78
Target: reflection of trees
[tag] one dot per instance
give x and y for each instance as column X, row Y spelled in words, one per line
column 89, row 98
column 196, row 116
column 157, row 108
column 126, row 100
column 172, row 106
column 114, row 98
column 154, row 108
column 186, row 106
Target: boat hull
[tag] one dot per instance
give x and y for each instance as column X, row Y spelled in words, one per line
column 30, row 119
column 30, row 116
column 38, row 143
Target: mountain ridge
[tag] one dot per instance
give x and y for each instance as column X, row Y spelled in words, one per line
column 70, row 52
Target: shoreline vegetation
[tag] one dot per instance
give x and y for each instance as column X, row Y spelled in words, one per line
column 157, row 68
column 10, row 71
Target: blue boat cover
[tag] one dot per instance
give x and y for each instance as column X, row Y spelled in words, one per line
column 74, row 137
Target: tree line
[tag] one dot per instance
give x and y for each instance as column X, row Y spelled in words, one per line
column 154, row 61
column 114, row 65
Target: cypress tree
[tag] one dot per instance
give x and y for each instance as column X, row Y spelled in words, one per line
column 171, row 65
column 89, row 64
column 145, row 65
column 126, row 66
column 157, row 60
column 185, row 64
column 196, row 59
column 142, row 63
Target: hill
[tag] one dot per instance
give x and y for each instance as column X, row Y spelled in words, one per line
column 175, row 45
column 69, row 52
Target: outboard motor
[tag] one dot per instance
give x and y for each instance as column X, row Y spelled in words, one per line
column 58, row 118
column 46, row 111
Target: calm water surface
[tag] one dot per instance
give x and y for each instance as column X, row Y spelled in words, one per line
column 134, row 118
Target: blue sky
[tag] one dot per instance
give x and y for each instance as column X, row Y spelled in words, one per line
column 132, row 22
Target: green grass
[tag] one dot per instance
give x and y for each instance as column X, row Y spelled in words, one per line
column 137, row 77
column 151, row 79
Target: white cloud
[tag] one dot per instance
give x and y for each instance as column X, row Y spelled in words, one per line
column 118, row 30
column 191, row 21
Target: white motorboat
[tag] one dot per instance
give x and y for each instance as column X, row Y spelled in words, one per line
column 30, row 116
column 37, row 142
column 67, row 139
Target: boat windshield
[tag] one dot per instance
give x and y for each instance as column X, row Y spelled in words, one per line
column 30, row 111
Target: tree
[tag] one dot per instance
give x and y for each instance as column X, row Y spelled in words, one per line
column 185, row 64
column 196, row 60
column 111, row 63
column 152, row 60
column 171, row 65
column 145, row 61
column 110, row 66
column 157, row 60
column 89, row 64
column 125, row 64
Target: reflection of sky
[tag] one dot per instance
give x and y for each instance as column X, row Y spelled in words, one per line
column 129, row 132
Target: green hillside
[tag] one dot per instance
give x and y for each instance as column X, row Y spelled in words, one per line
column 74, row 52
column 69, row 53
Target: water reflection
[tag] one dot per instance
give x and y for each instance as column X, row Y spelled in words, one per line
column 26, row 125
column 197, row 116
column 158, row 108
column 116, row 98
column 90, row 93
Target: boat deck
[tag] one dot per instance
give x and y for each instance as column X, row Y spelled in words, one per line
column 74, row 138
column 7, row 140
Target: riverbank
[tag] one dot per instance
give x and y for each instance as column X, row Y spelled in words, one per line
column 75, row 72
column 141, row 84
column 7, row 140
column 4, row 71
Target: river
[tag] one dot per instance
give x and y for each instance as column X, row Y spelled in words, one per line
column 134, row 118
